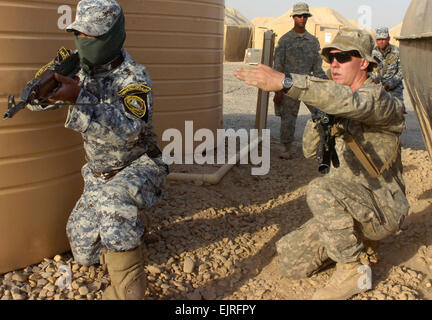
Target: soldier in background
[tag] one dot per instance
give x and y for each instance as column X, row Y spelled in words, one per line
column 389, row 71
column 364, row 198
column 111, row 107
column 297, row 52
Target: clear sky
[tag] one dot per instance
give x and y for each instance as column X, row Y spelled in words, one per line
column 383, row 12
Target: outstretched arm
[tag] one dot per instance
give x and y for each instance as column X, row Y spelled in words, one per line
column 262, row 77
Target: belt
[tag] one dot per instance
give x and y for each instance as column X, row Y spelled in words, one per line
column 106, row 175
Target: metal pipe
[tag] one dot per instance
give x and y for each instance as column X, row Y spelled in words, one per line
column 216, row 177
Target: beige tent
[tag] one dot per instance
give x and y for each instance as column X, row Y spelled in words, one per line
column 324, row 24
column 395, row 32
column 237, row 35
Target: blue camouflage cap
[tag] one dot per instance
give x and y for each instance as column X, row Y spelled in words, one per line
column 95, row 17
column 382, row 33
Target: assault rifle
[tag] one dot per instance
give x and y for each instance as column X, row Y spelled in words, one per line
column 326, row 152
column 38, row 90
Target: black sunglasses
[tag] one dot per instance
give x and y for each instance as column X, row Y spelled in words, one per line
column 302, row 15
column 343, row 56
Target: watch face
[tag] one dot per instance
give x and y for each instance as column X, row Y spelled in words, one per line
column 287, row 83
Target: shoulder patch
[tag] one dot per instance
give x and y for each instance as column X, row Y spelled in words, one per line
column 392, row 59
column 135, row 99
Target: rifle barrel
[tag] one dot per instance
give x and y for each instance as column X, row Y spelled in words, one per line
column 12, row 111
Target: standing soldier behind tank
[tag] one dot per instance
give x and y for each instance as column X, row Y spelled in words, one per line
column 389, row 71
column 297, row 52
column 111, row 106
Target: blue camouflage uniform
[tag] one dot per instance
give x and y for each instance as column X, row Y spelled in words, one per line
column 124, row 173
column 389, row 71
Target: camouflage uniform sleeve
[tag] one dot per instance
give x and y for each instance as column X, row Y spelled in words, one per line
column 311, row 139
column 101, row 119
column 398, row 76
column 317, row 69
column 279, row 57
column 368, row 104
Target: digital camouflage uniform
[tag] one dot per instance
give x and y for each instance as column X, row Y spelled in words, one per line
column 118, row 136
column 348, row 205
column 389, row 69
column 107, row 214
column 295, row 53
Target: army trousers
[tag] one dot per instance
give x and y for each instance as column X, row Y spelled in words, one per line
column 287, row 111
column 108, row 213
column 344, row 214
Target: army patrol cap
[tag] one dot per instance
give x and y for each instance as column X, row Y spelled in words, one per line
column 95, row 17
column 382, row 33
column 301, row 9
column 350, row 39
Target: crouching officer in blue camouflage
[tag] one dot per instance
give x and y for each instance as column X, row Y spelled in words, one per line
column 389, row 71
column 364, row 198
column 111, row 106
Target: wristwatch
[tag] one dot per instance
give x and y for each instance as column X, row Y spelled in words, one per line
column 287, row 83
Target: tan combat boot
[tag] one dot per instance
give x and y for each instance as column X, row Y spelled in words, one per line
column 128, row 280
column 286, row 152
column 347, row 281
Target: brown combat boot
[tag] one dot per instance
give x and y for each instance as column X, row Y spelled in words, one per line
column 348, row 280
column 286, row 151
column 128, row 280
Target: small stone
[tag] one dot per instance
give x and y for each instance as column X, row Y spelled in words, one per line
column 50, row 270
column 75, row 285
column 17, row 295
column 57, row 258
column 83, row 291
column 42, row 282
column 19, row 277
column 188, row 265
column 43, row 293
column 8, row 276
column 34, row 276
column 153, row 270
column 50, row 287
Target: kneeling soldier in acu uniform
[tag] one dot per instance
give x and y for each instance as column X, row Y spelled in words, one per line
column 364, row 198
column 111, row 106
